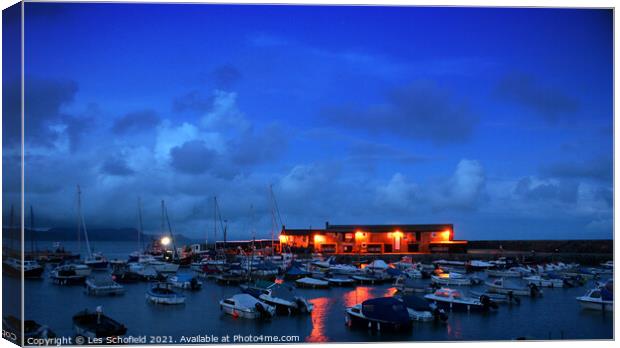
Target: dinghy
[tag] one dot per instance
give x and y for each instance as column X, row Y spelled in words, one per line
column 246, row 306
column 161, row 293
column 103, row 287
column 312, row 283
column 96, row 324
column 380, row 314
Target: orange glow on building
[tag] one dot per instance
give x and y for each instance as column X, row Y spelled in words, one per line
column 398, row 234
column 318, row 239
column 359, row 235
column 283, row 239
column 446, row 235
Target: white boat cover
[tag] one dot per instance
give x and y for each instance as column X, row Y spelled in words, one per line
column 379, row 264
column 245, row 300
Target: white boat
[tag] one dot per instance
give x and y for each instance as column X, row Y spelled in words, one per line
column 283, row 298
column 159, row 266
column 347, row 270
column 103, row 287
column 451, row 278
column 421, row 310
column 313, row 283
column 545, row 282
column 145, row 271
column 185, row 281
column 162, row 294
column 600, row 298
column 339, row 281
column 500, row 286
column 246, row 306
column 452, row 299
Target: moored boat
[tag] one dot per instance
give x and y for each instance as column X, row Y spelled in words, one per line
column 600, row 298
column 545, row 282
column 103, row 287
column 66, row 275
column 14, row 267
column 452, row 299
column 163, row 294
column 185, row 281
column 380, row 314
column 421, row 310
column 246, row 306
column 285, row 300
column 501, row 286
column 97, row 325
column 451, row 278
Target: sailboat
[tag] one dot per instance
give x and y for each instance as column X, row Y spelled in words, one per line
column 135, row 256
column 96, row 261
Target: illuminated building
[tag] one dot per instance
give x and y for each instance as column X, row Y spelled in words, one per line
column 374, row 239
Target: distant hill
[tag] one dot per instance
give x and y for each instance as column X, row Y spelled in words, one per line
column 96, row 234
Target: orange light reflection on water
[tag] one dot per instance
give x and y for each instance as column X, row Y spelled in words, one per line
column 319, row 317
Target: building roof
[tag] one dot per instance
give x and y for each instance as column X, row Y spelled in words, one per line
column 390, row 228
column 369, row 228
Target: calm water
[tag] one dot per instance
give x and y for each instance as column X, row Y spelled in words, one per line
column 554, row 316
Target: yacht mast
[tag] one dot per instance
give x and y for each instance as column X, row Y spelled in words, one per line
column 82, row 222
column 140, row 226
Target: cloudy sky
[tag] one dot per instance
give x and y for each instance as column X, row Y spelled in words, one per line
column 496, row 120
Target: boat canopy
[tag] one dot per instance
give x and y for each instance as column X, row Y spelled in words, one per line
column 386, row 309
column 378, row 264
column 245, row 300
column 416, row 303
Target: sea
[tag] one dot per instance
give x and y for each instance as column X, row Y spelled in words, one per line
column 555, row 316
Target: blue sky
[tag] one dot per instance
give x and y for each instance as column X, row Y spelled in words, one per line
column 496, row 120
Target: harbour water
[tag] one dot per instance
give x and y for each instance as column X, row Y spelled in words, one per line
column 556, row 315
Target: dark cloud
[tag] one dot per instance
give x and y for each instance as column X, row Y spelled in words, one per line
column 374, row 151
column 596, row 169
column 193, row 157
column 550, row 103
column 258, row 147
column 547, row 191
column 419, row 111
column 226, row 76
column 116, row 166
column 136, row 122
column 193, row 101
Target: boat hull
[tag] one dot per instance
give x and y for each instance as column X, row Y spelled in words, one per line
column 606, row 306
column 167, row 300
column 360, row 321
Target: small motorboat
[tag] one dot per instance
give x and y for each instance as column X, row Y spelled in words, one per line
column 451, row 278
column 421, row 310
column 545, row 282
column 246, row 306
column 452, row 299
column 97, row 262
column 501, row 286
column 123, row 274
column 497, row 298
column 312, row 283
column 32, row 269
column 408, row 286
column 32, row 329
column 600, row 298
column 66, row 275
column 162, row 293
column 380, row 314
column 295, row 273
column 345, row 270
column 185, row 281
column 285, row 299
column 97, row 325
column 103, row 287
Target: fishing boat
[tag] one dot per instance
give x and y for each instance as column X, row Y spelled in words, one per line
column 600, row 298
column 421, row 310
column 103, row 287
column 246, row 306
column 452, row 299
column 31, row 268
column 380, row 314
column 312, row 283
column 67, row 275
column 97, row 325
column 32, row 329
column 285, row 300
column 162, row 293
column 501, row 286
column 185, row 281
column 545, row 282
column 451, row 278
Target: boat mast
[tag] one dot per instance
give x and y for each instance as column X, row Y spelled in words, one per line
column 276, row 219
column 140, row 226
column 215, row 223
column 83, row 223
column 32, row 239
